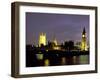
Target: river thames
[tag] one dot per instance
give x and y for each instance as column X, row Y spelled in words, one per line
column 56, row 58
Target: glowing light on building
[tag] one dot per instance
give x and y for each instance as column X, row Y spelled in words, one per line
column 83, row 35
column 42, row 39
column 55, row 42
column 56, row 47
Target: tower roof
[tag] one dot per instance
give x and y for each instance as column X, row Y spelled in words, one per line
column 84, row 31
column 42, row 33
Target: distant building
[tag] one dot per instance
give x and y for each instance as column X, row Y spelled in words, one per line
column 84, row 42
column 42, row 39
column 55, row 42
column 56, row 46
column 78, row 45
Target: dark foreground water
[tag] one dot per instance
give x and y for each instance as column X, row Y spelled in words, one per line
column 33, row 60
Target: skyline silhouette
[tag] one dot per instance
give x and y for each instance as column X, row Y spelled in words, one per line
column 63, row 27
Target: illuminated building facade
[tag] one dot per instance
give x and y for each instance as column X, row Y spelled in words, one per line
column 56, row 46
column 42, row 39
column 83, row 42
column 55, row 42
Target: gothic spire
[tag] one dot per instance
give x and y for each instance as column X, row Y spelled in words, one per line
column 84, row 31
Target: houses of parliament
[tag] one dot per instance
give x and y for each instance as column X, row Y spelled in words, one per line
column 82, row 46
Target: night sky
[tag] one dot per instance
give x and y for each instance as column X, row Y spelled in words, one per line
column 63, row 27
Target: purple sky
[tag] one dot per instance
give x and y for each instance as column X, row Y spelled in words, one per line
column 63, row 27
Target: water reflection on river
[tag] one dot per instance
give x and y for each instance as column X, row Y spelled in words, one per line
column 64, row 60
column 34, row 59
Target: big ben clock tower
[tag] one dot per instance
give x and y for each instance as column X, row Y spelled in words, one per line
column 83, row 42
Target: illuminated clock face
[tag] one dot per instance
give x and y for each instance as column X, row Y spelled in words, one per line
column 83, row 35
